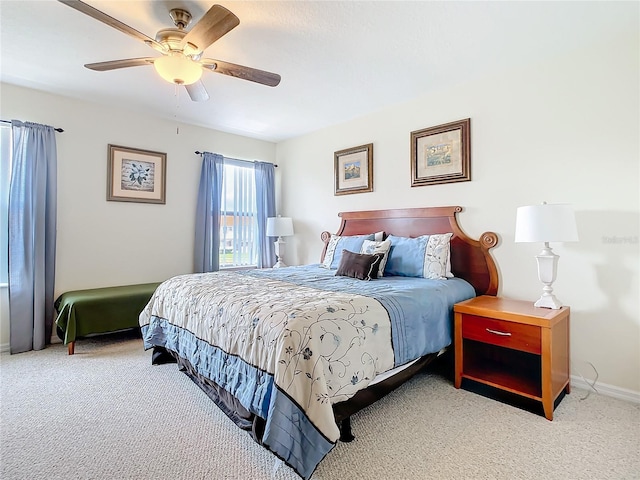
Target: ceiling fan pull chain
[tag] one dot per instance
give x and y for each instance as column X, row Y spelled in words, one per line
column 175, row 115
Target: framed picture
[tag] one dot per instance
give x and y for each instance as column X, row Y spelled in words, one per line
column 441, row 154
column 135, row 175
column 354, row 170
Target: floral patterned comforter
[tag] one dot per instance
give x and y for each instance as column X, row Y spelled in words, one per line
column 287, row 351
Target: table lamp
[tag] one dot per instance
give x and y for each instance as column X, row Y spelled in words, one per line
column 279, row 227
column 546, row 223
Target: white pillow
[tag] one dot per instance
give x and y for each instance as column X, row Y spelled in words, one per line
column 372, row 247
column 437, row 260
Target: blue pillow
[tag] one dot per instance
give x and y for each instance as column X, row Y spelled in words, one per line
column 428, row 256
column 406, row 256
column 352, row 243
column 337, row 244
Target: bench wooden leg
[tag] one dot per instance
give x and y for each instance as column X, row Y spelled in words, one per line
column 71, row 347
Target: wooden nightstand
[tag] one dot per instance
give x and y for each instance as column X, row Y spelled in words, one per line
column 513, row 346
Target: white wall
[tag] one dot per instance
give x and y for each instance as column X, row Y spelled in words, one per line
column 103, row 243
column 563, row 131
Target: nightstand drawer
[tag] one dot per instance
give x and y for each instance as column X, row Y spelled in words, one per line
column 526, row 338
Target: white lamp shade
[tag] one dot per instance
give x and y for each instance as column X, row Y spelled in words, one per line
column 178, row 69
column 546, row 223
column 279, row 227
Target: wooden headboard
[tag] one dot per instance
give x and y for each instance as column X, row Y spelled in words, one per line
column 470, row 259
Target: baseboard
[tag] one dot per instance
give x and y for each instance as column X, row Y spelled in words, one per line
column 606, row 389
column 4, row 347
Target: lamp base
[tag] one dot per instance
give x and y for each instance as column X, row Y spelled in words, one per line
column 548, row 301
column 279, row 264
column 279, row 250
column 547, row 268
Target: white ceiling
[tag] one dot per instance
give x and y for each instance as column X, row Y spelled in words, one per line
column 338, row 60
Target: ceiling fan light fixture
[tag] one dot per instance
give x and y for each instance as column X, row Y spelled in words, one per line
column 182, row 50
column 178, row 69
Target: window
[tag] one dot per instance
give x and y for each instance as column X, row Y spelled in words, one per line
column 235, row 198
column 238, row 217
column 5, row 176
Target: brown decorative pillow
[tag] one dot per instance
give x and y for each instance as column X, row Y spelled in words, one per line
column 359, row 265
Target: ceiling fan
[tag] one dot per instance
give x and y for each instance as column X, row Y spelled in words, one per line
column 181, row 61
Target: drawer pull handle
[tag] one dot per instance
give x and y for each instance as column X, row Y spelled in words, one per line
column 496, row 332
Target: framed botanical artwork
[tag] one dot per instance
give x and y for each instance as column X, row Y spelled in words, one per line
column 135, row 175
column 441, row 154
column 354, row 170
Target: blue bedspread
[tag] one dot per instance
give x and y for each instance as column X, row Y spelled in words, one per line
column 420, row 310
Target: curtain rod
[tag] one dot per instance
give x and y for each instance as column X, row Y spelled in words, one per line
column 56, row 129
column 236, row 159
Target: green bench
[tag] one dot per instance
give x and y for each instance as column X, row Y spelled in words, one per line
column 100, row 310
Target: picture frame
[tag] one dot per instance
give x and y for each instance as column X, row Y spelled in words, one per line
column 354, row 170
column 135, row 175
column 441, row 154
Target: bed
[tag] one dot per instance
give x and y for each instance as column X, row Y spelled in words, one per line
column 290, row 354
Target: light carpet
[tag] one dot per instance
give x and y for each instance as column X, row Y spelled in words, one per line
column 107, row 413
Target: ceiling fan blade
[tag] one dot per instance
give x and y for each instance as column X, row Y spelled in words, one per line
column 115, row 64
column 197, row 92
column 214, row 24
column 112, row 22
column 240, row 71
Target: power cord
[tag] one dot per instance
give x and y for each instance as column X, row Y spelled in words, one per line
column 591, row 384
